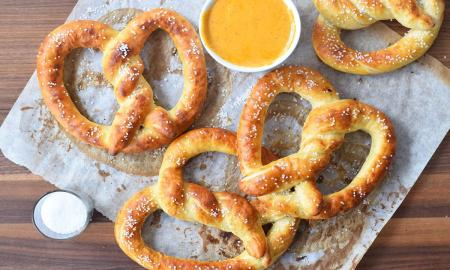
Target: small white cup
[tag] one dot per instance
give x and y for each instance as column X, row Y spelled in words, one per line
column 41, row 226
column 298, row 27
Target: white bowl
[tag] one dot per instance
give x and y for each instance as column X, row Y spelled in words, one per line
column 279, row 60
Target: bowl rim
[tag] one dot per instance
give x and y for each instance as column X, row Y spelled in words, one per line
column 298, row 29
column 89, row 209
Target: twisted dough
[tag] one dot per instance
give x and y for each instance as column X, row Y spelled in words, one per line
column 323, row 132
column 194, row 203
column 139, row 123
column 424, row 18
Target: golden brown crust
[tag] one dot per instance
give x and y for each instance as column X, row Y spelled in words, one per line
column 139, row 124
column 192, row 202
column 279, row 174
column 424, row 21
column 323, row 132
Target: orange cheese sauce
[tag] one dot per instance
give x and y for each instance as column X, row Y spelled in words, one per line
column 250, row 33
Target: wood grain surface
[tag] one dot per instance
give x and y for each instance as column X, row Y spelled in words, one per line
column 418, row 237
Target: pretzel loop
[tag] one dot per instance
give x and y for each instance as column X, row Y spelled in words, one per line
column 323, row 132
column 282, row 173
column 139, row 124
column 194, row 203
column 424, row 20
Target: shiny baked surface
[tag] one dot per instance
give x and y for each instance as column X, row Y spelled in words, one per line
column 195, row 203
column 412, row 239
column 139, row 123
column 323, row 132
column 424, row 20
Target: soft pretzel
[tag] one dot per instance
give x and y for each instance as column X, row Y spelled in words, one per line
column 323, row 132
column 192, row 202
column 139, row 124
column 424, row 18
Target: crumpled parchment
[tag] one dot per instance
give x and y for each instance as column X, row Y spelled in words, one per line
column 415, row 98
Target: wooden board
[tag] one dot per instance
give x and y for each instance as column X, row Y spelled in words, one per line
column 418, row 237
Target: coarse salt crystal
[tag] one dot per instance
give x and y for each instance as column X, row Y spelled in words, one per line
column 64, row 213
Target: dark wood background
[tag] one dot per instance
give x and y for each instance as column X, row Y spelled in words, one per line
column 418, row 237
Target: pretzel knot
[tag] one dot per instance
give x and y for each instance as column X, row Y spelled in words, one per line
column 424, row 18
column 323, row 132
column 191, row 202
column 139, row 123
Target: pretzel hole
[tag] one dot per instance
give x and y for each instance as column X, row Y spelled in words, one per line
column 189, row 240
column 163, row 69
column 88, row 88
column 397, row 27
column 215, row 171
column 119, row 18
column 345, row 163
column 267, row 227
column 368, row 39
column 284, row 123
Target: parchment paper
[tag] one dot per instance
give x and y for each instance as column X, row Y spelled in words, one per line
column 415, row 98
